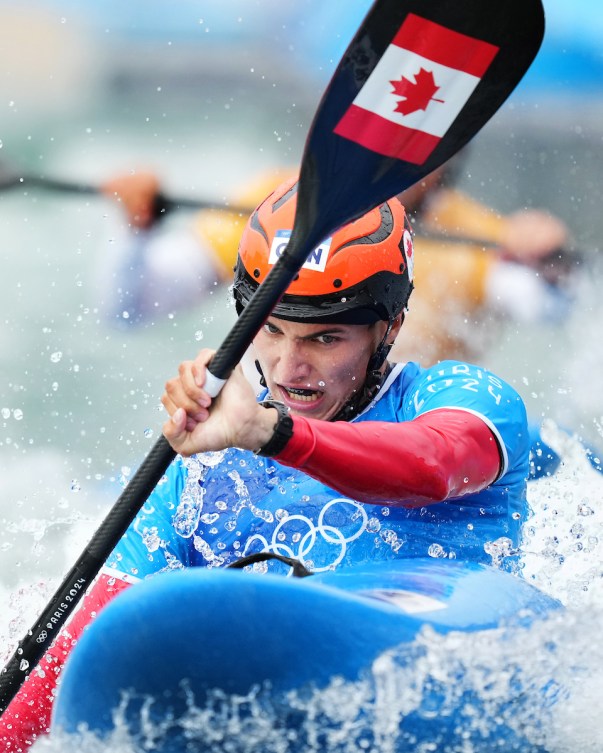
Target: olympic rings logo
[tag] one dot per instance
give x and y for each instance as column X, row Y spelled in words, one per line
column 290, row 540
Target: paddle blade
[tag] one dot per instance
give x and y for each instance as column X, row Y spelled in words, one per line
column 418, row 81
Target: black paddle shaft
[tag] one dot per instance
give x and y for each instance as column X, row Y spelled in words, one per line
column 342, row 176
column 164, row 204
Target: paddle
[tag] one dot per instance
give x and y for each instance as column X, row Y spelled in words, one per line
column 13, row 178
column 453, row 64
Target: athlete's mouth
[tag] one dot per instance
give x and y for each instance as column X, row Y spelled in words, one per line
column 303, row 395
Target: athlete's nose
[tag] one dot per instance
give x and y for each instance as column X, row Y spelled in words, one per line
column 293, row 366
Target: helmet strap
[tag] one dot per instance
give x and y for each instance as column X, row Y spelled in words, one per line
column 375, row 376
column 261, row 373
column 378, row 358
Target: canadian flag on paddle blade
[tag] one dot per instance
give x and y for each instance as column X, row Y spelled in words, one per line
column 416, row 90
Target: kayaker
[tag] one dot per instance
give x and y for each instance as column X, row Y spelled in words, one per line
column 346, row 457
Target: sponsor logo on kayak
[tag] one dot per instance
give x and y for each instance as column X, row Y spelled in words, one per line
column 317, row 259
column 416, row 90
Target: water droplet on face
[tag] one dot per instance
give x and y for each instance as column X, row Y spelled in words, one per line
column 321, row 384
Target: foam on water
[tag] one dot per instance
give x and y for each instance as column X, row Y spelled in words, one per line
column 445, row 693
column 45, row 522
column 563, row 541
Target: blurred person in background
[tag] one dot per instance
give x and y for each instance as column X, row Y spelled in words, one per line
column 475, row 266
column 163, row 268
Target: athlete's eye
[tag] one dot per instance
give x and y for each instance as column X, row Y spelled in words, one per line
column 271, row 328
column 326, row 339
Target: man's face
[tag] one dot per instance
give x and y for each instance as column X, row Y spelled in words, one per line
column 316, row 368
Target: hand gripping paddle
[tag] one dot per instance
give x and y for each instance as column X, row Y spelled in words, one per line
column 418, row 81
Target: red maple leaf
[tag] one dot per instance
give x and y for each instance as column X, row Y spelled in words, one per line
column 417, row 94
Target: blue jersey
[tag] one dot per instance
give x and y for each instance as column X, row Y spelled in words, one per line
column 213, row 508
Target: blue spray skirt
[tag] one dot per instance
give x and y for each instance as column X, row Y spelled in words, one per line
column 186, row 635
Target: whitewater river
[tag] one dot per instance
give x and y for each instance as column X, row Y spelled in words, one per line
column 79, row 409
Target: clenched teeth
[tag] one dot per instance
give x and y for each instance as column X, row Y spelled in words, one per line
column 303, row 395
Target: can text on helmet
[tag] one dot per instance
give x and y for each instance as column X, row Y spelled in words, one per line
column 317, row 259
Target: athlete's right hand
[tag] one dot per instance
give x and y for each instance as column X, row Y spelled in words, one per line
column 200, row 423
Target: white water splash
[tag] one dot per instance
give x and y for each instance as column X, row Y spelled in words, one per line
column 440, row 693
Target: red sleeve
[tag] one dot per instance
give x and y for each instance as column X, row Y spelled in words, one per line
column 438, row 455
column 28, row 714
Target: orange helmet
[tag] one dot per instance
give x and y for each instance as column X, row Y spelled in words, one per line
column 361, row 274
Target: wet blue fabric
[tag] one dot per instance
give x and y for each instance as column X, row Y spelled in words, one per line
column 215, row 507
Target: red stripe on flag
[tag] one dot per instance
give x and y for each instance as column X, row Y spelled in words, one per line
column 384, row 137
column 444, row 46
